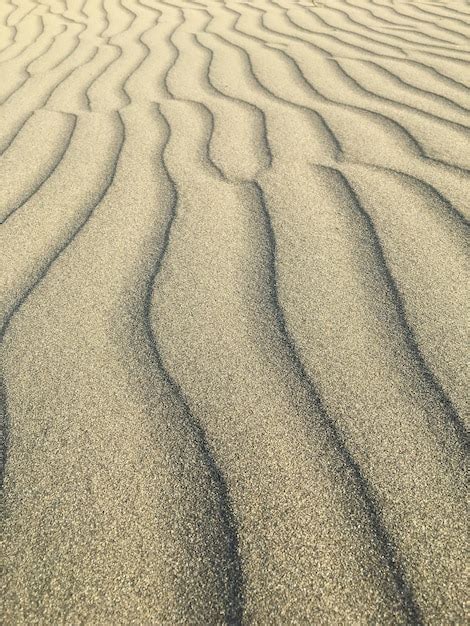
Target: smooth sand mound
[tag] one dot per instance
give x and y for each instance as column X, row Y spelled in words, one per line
column 234, row 259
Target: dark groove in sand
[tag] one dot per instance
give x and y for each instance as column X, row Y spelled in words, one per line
column 372, row 509
column 452, row 415
column 49, row 174
column 234, row 604
column 373, row 62
column 17, row 305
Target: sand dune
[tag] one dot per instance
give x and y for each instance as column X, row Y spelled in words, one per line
column 234, row 260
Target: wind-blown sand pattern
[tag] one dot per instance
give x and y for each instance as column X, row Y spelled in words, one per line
column 233, row 310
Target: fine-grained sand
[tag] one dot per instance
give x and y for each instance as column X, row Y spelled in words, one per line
column 234, row 311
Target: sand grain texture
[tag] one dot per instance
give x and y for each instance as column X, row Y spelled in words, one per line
column 234, row 311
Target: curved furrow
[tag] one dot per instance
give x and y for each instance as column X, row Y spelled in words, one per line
column 17, row 117
column 386, row 21
column 161, row 39
column 427, row 91
column 381, row 129
column 333, row 26
column 23, row 170
column 456, row 15
column 54, row 6
column 439, row 147
column 161, row 539
column 457, row 37
column 183, row 4
column 173, row 59
column 78, row 39
column 448, row 67
column 414, row 37
column 35, row 93
column 436, row 145
column 21, row 11
column 105, row 12
column 383, row 60
column 331, row 44
column 460, row 60
column 299, row 23
column 342, row 310
column 71, row 95
column 426, row 248
column 449, row 411
column 22, row 40
column 423, row 25
column 378, row 58
column 10, row 138
column 386, row 543
column 339, row 20
column 393, row 40
column 265, row 153
column 68, row 20
column 73, row 12
column 17, row 289
column 304, row 100
column 118, row 15
column 82, row 8
column 388, row 85
column 437, row 49
column 317, row 17
column 347, row 42
column 15, row 72
column 214, row 270
column 47, row 23
column 444, row 412
column 233, row 599
column 87, row 84
column 233, row 241
column 42, row 226
column 96, row 18
column 450, row 181
column 152, row 86
column 460, row 125
column 291, row 130
column 400, row 103
column 135, row 82
column 343, row 23
column 64, row 46
column 428, row 78
column 17, row 33
column 145, row 50
column 440, row 21
column 5, row 11
column 108, row 91
column 6, row 38
column 108, row 54
column 236, row 145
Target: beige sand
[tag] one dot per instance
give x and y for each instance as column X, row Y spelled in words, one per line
column 233, row 302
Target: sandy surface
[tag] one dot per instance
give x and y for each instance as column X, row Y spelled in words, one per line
column 233, row 310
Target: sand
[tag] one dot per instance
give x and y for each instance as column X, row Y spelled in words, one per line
column 234, row 311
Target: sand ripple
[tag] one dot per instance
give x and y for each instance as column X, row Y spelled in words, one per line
column 234, row 254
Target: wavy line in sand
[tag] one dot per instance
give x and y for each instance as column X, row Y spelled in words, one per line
column 286, row 94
